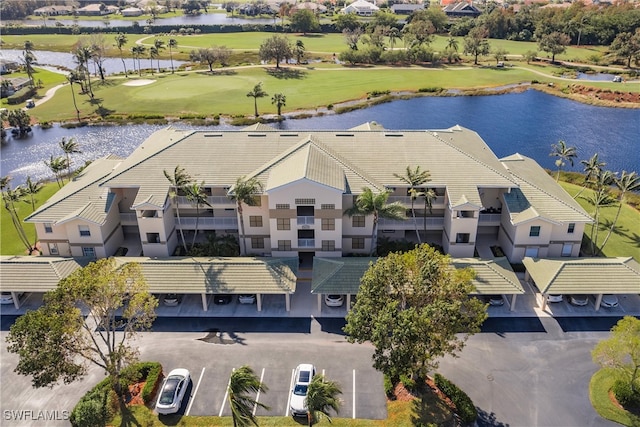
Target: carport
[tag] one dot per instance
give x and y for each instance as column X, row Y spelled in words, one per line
column 338, row 276
column 493, row 277
column 35, row 273
column 597, row 276
column 205, row 276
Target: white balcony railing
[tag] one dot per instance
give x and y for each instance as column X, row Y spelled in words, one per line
column 306, row 220
column 306, row 243
column 207, row 223
column 495, row 218
column 432, row 222
column 128, row 218
column 213, row 201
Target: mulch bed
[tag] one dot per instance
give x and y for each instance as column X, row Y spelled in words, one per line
column 401, row 393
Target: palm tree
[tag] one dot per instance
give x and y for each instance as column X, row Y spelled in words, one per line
column 244, row 191
column 244, row 381
column 601, row 197
column 72, row 78
column 256, row 93
column 179, row 180
column 173, row 43
column 121, row 41
column 394, row 34
column 137, row 51
column 279, row 100
column 153, row 53
column 563, row 153
column 429, row 196
column 83, row 54
column 69, row 147
column 28, row 58
column 322, row 396
column 159, row 45
column 4, row 182
column 57, row 165
column 592, row 169
column 195, row 194
column 11, row 197
column 32, row 188
column 369, row 203
column 626, row 183
column 452, row 44
column 414, row 179
column 299, row 50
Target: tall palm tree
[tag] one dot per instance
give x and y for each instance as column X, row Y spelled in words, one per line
column 322, row 396
column 159, row 45
column 255, row 93
column 369, row 203
column 452, row 44
column 429, row 196
column 242, row 382
column 72, row 78
column 137, row 51
column 83, row 54
column 153, row 54
column 121, row 41
column 179, row 180
column 10, row 198
column 394, row 34
column 32, row 188
column 245, row 191
column 601, row 197
column 414, row 179
column 626, row 183
column 28, row 58
column 279, row 100
column 563, row 153
column 195, row 194
column 173, row 43
column 592, row 169
column 57, row 165
column 69, row 147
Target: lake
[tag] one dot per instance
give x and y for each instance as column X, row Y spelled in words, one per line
column 527, row 123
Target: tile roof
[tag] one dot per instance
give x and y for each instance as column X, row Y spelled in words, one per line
column 493, row 276
column 539, row 195
column 585, row 275
column 36, row 274
column 339, row 275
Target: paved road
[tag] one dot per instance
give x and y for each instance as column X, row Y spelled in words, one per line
column 518, row 371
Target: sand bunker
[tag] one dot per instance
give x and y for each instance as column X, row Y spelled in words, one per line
column 138, row 82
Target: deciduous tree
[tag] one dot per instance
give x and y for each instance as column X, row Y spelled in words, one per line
column 414, row 307
column 621, row 351
column 555, row 43
column 626, row 46
column 276, row 47
column 476, row 43
column 305, row 21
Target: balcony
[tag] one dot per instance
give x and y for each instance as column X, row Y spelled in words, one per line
column 128, row 218
column 208, row 223
column 306, row 220
column 306, row 243
column 214, row 201
column 433, row 223
column 418, row 203
column 489, row 219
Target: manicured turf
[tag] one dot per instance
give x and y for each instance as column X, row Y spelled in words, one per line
column 599, row 387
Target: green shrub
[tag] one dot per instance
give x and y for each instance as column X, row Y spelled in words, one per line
column 433, row 89
column 388, row 387
column 626, row 397
column 379, row 92
column 153, row 376
column 244, row 121
column 92, row 409
column 465, row 408
column 408, row 382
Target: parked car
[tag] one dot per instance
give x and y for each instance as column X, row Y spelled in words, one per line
column 609, row 301
column 495, row 300
column 554, row 298
column 7, row 298
column 334, row 300
column 247, row 298
column 172, row 391
column 302, row 378
column 222, row 299
column 172, row 300
column 579, row 300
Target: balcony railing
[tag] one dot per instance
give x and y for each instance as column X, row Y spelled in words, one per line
column 432, row 222
column 213, row 200
column 128, row 218
column 306, row 220
column 489, row 218
column 208, row 223
column 306, row 243
column 417, row 203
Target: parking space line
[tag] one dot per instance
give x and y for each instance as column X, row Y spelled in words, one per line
column 323, row 375
column 226, row 393
column 255, row 406
column 286, row 412
column 193, row 395
column 354, row 394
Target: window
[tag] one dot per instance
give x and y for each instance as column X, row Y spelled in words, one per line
column 534, row 231
column 357, row 243
column 255, row 221
column 257, row 242
column 571, row 228
column 53, row 249
column 465, row 214
column 283, row 206
column 284, row 245
column 327, row 206
column 153, row 237
column 305, row 201
column 330, row 245
column 462, row 238
column 357, row 221
column 284, row 223
column 89, row 252
column 84, row 230
column 48, row 227
column 328, row 223
column 567, row 248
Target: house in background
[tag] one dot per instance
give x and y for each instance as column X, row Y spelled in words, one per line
column 461, row 9
column 406, row 8
column 361, row 8
column 55, row 10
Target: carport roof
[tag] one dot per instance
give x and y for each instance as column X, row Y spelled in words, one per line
column 585, row 275
column 339, row 275
column 493, row 276
column 36, row 274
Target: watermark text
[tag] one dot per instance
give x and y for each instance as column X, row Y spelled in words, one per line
column 37, row 415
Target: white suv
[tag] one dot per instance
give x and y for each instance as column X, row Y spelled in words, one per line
column 302, row 378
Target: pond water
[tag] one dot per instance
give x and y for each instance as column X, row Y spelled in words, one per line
column 528, row 123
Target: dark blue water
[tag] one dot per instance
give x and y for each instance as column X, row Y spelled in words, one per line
column 527, row 123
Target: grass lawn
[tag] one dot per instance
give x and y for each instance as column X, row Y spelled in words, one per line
column 599, row 386
column 625, row 240
column 9, row 242
column 47, row 78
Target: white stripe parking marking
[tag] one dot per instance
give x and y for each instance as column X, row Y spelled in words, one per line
column 226, row 393
column 286, row 412
column 193, row 396
column 255, row 406
column 323, row 375
column 354, row 394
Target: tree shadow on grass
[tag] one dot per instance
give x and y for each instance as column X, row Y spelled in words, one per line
column 217, row 73
column 430, row 409
column 286, row 73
